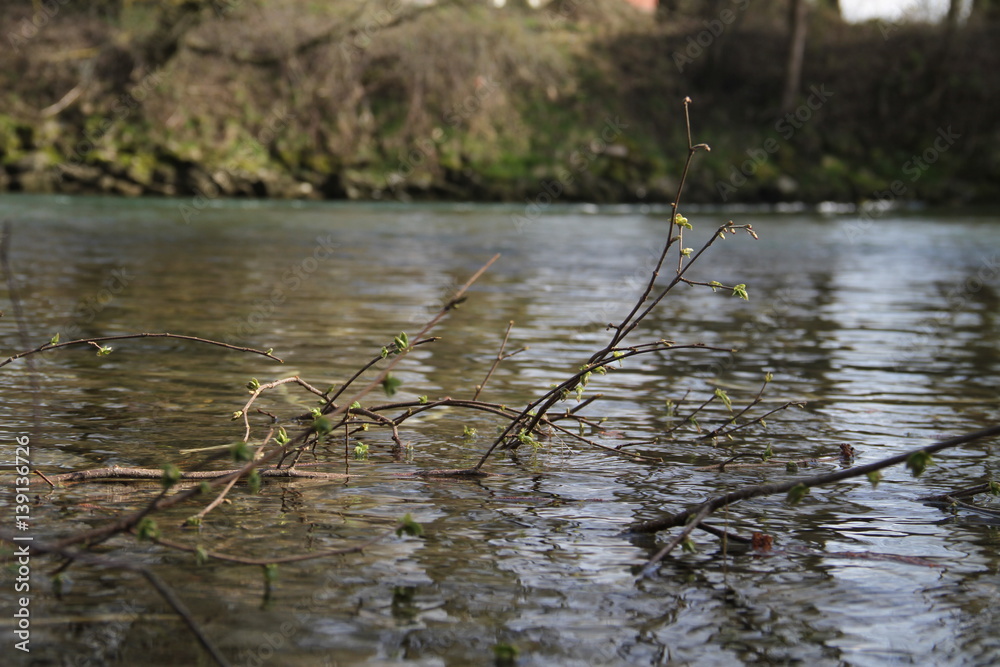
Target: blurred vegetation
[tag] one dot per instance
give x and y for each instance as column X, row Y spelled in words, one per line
column 575, row 100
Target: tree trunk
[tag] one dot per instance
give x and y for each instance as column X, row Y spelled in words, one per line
column 986, row 10
column 797, row 16
column 951, row 18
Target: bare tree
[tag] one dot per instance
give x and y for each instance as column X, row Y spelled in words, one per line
column 833, row 6
column 951, row 18
column 988, row 10
column 798, row 13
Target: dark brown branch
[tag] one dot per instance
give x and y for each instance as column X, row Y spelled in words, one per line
column 496, row 362
column 154, row 474
column 680, row 518
column 647, row 569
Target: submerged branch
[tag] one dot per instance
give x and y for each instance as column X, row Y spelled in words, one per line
column 104, row 561
column 681, row 518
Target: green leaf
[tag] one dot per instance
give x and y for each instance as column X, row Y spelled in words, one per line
column 104, row 350
column 322, row 426
column 689, row 546
column 200, row 555
column 768, row 453
column 741, row 291
column 316, row 413
column 54, row 339
column 361, row 451
column 253, row 385
column 526, row 438
column 768, row 377
column 402, row 342
column 194, row 521
column 147, row 529
column 995, row 488
column 269, row 350
column 722, row 396
column 505, row 654
column 171, row 475
column 271, row 573
column 390, row 384
column 422, row 400
column 797, row 493
column 917, row 462
column 241, row 452
column 356, row 405
column 791, row 466
column 715, row 284
column 681, row 221
column 253, row 481
column 282, row 438
column 874, row 477
column 236, row 415
column 468, row 432
column 409, row 527
column 687, row 251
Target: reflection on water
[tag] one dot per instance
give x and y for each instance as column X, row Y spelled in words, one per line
column 891, row 335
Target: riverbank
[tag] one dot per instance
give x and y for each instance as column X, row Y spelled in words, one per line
column 576, row 102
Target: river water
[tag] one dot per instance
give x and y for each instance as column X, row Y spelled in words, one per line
column 888, row 329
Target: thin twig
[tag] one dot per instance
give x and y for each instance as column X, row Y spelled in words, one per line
column 647, row 569
column 104, row 339
column 303, row 438
column 271, row 385
column 496, row 362
column 755, row 420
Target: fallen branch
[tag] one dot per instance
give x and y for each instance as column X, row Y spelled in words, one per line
column 104, row 339
column 154, row 474
column 681, row 518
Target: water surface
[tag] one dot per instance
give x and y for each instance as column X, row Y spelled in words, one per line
column 888, row 331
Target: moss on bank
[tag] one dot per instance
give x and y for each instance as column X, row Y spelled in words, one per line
column 577, row 101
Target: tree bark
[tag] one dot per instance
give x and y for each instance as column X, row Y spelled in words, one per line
column 797, row 15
